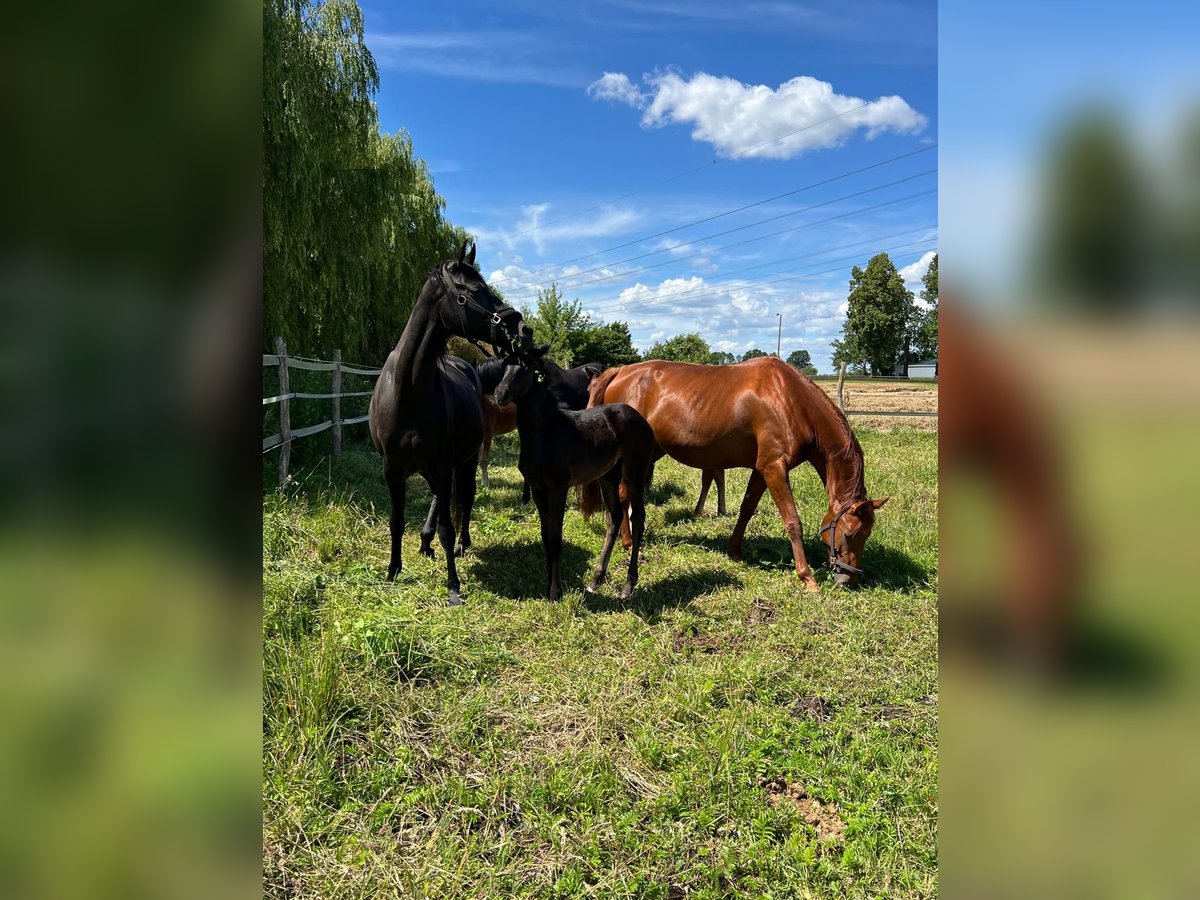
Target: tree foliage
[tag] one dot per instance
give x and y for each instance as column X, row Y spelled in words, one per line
column 682, row 348
column 924, row 338
column 558, row 322
column 878, row 317
column 351, row 221
column 799, row 359
column 610, row 344
column 802, row 360
column 721, row 358
column 753, row 354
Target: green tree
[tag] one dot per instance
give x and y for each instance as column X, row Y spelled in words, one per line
column 558, row 322
column 1091, row 250
column 682, row 348
column 610, row 344
column 799, row 359
column 753, row 354
column 925, row 324
column 878, row 317
column 721, row 358
column 351, row 222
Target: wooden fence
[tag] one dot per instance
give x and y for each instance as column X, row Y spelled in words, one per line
column 283, row 440
column 287, row 434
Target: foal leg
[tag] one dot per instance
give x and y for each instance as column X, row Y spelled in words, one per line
column 754, row 492
column 776, row 475
column 637, row 519
column 445, row 531
column 611, row 491
column 397, row 482
column 464, row 488
column 551, row 509
column 427, row 529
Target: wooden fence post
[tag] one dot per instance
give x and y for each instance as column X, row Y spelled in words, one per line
column 337, row 402
column 285, row 421
column 841, row 381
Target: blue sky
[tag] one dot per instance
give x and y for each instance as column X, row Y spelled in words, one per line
column 584, row 142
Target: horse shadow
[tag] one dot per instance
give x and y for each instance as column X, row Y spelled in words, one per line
column 518, row 570
column 883, row 566
column 652, row 598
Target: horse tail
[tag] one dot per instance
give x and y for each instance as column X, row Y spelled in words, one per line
column 599, row 385
column 589, row 498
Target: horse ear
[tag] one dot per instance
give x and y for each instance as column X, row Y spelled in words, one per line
column 878, row 503
column 471, row 255
column 462, row 254
column 542, row 350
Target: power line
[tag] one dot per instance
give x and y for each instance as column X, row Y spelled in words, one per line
column 718, row 234
column 707, row 165
column 616, row 304
column 707, row 291
column 762, row 237
column 729, row 212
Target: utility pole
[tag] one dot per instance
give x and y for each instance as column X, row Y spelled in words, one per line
column 778, row 334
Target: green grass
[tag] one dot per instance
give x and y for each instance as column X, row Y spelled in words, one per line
column 591, row 748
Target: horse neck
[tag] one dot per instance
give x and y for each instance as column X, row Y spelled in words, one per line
column 421, row 344
column 838, row 458
column 535, row 407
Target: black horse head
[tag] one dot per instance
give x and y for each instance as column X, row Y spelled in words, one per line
column 466, row 306
column 521, row 372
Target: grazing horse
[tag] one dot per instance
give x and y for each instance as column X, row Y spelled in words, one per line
column 563, row 447
column 569, row 389
column 425, row 413
column 762, row 415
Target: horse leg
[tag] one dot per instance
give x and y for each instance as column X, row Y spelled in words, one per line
column 445, row 531
column 397, row 481
column 719, row 476
column 776, row 475
column 544, row 499
column 485, row 450
column 637, row 518
column 754, row 492
column 464, row 491
column 706, row 480
column 525, row 491
column 611, row 491
column 626, row 536
column 427, row 529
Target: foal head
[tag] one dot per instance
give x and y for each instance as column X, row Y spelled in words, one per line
column 466, row 306
column 521, row 372
column 845, row 533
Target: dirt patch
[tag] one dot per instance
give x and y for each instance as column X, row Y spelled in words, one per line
column 821, row 816
column 817, row 708
column 703, row 643
column 761, row 613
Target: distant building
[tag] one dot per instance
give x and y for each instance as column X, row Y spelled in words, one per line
column 926, row 368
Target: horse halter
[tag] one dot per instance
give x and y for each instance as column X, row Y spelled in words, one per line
column 835, row 561
column 464, row 300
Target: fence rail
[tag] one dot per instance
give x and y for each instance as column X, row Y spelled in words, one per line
column 283, row 440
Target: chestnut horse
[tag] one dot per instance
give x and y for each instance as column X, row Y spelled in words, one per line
column 762, row 415
column 497, row 419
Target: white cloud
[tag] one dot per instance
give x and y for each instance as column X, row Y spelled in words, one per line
column 528, row 228
column 914, row 272
column 735, row 117
column 617, row 87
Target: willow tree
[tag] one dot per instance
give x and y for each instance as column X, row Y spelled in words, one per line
column 351, row 221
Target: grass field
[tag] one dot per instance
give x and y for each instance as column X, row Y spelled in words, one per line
column 720, row 735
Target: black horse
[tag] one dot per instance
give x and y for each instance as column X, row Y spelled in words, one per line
column 594, row 449
column 568, row 387
column 425, row 414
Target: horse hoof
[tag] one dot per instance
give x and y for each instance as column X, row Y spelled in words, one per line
column 426, row 551
column 811, row 587
column 460, row 551
column 455, row 599
column 626, row 593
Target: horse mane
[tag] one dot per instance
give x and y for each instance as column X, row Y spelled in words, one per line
column 490, row 371
column 850, row 452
